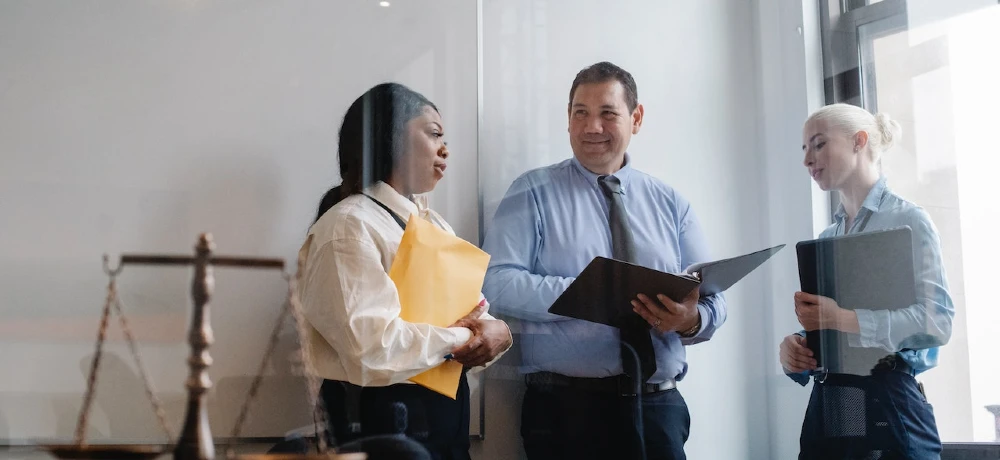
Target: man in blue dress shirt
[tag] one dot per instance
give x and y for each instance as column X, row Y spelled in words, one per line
column 582, row 401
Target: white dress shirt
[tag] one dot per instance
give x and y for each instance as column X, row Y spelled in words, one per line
column 352, row 305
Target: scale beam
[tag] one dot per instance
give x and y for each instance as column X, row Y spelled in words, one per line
column 218, row 261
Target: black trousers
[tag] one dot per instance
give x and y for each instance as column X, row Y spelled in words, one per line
column 562, row 422
column 880, row 416
column 438, row 422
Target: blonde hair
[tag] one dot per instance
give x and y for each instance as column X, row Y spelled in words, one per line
column 850, row 119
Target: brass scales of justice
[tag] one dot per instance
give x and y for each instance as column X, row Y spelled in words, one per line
column 196, row 442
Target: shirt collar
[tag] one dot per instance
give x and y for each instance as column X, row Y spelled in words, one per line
column 872, row 201
column 388, row 196
column 622, row 174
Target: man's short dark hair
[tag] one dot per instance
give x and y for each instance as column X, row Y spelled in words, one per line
column 603, row 72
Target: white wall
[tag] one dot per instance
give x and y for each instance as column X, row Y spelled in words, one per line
column 133, row 126
column 789, row 87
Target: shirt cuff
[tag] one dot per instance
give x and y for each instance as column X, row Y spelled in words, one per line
column 703, row 317
column 510, row 335
column 802, row 378
column 869, row 336
column 462, row 335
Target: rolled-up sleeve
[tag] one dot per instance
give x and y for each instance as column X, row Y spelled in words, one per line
column 928, row 322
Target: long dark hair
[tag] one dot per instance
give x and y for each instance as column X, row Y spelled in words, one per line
column 372, row 138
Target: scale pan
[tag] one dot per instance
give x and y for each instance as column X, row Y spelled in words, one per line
column 330, row 456
column 105, row 451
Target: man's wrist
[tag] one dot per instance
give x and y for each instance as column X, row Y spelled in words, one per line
column 692, row 328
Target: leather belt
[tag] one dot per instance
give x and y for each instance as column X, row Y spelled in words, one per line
column 621, row 385
column 893, row 362
column 889, row 363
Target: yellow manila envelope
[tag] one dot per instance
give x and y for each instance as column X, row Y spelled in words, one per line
column 439, row 277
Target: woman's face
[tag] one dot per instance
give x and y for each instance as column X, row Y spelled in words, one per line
column 830, row 155
column 424, row 156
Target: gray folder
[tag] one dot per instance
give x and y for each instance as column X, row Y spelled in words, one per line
column 871, row 271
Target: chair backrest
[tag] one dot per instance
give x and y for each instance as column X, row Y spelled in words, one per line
column 387, row 447
column 394, row 446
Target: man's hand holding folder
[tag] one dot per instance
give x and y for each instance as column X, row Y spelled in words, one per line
column 665, row 315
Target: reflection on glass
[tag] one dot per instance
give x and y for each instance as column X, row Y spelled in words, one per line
column 940, row 80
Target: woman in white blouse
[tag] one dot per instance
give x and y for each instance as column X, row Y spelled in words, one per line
column 391, row 148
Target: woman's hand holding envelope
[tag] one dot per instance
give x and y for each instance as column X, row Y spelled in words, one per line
column 490, row 337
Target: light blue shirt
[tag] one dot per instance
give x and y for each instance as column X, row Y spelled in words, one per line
column 550, row 225
column 915, row 332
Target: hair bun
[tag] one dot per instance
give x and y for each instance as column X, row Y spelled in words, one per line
column 888, row 128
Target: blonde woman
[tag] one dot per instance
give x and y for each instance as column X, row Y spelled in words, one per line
column 843, row 145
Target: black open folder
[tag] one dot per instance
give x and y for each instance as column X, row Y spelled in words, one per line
column 603, row 292
column 871, row 271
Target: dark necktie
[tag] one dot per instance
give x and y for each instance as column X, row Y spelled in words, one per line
column 634, row 331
